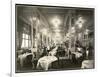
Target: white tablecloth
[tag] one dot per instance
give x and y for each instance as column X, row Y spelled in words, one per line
column 22, row 58
column 53, row 52
column 77, row 54
column 45, row 61
column 87, row 64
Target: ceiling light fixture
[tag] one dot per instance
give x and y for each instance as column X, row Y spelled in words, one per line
column 80, row 22
column 56, row 21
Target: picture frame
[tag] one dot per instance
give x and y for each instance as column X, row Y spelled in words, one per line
column 15, row 22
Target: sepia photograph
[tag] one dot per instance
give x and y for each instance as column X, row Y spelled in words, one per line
column 54, row 38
